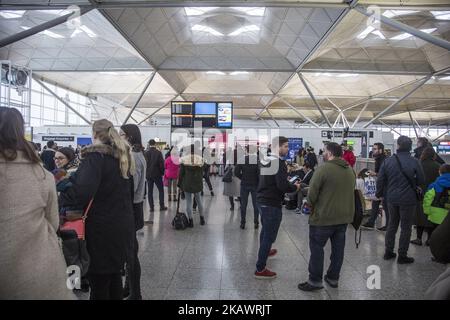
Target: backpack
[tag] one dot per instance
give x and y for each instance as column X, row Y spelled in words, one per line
column 180, row 221
column 358, row 216
column 228, row 176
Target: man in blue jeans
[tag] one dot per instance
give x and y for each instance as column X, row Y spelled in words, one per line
column 273, row 184
column 331, row 198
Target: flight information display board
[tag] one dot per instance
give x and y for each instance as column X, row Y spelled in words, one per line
column 182, row 114
column 211, row 114
column 225, row 115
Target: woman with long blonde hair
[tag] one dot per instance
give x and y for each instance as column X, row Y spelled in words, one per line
column 104, row 178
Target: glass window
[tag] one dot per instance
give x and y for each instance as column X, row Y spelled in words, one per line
column 35, row 112
column 61, row 116
column 49, row 101
column 49, row 114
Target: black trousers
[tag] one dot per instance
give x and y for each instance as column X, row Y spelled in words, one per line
column 106, row 286
column 133, row 266
column 133, row 272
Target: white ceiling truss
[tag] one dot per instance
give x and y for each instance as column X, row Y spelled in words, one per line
column 251, row 53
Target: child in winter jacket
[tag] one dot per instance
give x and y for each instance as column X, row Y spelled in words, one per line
column 436, row 202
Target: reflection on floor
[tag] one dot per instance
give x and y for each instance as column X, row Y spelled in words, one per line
column 217, row 261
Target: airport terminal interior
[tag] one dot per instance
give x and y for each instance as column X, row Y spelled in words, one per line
column 347, row 82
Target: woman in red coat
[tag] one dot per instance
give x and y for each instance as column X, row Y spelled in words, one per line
column 348, row 155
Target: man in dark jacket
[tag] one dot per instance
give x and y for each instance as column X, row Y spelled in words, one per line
column 378, row 154
column 48, row 156
column 331, row 198
column 273, row 184
column 247, row 170
column 398, row 177
column 155, row 172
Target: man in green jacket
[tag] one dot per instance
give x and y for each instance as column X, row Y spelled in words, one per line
column 331, row 198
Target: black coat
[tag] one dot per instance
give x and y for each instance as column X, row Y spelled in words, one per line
column 440, row 241
column 418, row 153
column 248, row 171
column 394, row 185
column 272, row 187
column 110, row 221
column 155, row 163
column 47, row 157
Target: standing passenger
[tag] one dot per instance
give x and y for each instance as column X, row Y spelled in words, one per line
column 132, row 134
column 104, row 178
column 31, row 262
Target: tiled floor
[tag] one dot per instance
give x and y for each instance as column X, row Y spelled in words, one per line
column 217, row 261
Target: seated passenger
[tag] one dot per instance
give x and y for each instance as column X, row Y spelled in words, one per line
column 304, row 185
column 436, row 205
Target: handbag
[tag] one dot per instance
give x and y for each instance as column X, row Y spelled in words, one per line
column 77, row 225
column 417, row 190
column 180, row 221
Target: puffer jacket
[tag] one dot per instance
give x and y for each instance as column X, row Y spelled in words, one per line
column 436, row 202
column 394, row 185
column 191, row 173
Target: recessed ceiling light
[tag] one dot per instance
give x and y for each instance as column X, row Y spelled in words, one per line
column 216, row 72
column 88, row 31
column 395, row 13
column 47, row 33
column 379, row 34
column 346, row 75
column 441, row 15
column 199, row 27
column 197, row 11
column 12, row 14
column 366, row 31
column 403, row 36
column 251, row 11
column 244, row 29
column 236, row 73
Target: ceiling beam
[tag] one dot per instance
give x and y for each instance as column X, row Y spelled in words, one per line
column 314, row 100
column 440, row 42
column 61, row 100
column 300, row 113
column 150, row 79
column 313, row 50
column 360, row 114
column 41, row 27
column 415, row 88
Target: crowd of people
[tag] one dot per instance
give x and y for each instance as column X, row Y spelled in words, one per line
column 105, row 184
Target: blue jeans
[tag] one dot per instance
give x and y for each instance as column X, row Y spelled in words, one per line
column 245, row 191
column 198, row 200
column 270, row 220
column 318, row 238
column 159, row 184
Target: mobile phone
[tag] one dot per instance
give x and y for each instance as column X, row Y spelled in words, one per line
column 293, row 179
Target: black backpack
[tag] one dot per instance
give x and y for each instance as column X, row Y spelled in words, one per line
column 358, row 216
column 180, row 221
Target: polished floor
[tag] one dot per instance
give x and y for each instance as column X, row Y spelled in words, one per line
column 217, row 260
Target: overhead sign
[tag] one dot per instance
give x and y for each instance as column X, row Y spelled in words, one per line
column 58, row 138
column 340, row 134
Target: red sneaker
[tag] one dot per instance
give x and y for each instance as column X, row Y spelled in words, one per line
column 265, row 274
column 273, row 253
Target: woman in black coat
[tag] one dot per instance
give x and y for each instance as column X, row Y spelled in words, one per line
column 104, row 177
column 431, row 171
